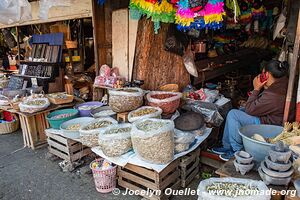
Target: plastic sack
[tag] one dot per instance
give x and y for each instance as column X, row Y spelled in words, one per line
column 261, row 194
column 125, row 99
column 189, row 62
column 115, row 140
column 208, row 110
column 153, row 140
column 183, row 140
column 24, row 107
column 143, row 115
column 45, row 5
column 89, row 137
column 167, row 101
column 12, row 11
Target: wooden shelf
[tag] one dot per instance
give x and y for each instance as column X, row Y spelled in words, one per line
column 40, row 63
column 28, row 76
column 243, row 59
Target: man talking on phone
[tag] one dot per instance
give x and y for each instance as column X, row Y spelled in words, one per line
column 265, row 105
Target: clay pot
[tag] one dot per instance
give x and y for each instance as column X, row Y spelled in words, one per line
column 272, row 180
column 281, row 167
column 276, row 174
column 243, row 157
column 242, row 168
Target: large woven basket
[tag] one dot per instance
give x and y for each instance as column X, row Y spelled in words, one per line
column 10, row 127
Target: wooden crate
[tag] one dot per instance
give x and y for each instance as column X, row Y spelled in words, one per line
column 33, row 128
column 189, row 167
column 142, row 179
column 65, row 148
column 122, row 117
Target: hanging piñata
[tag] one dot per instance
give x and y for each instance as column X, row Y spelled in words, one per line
column 157, row 10
column 210, row 17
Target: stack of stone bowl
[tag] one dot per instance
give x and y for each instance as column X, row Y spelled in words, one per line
column 243, row 162
column 277, row 168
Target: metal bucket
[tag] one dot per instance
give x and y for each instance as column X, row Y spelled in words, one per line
column 259, row 150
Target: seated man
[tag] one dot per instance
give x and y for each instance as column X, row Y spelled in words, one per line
column 264, row 106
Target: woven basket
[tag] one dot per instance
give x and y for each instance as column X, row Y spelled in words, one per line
column 10, row 127
column 170, row 88
column 58, row 101
column 71, row 44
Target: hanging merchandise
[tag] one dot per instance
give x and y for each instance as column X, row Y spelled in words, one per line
column 184, row 15
column 158, row 11
column 234, row 6
column 246, row 14
column 45, row 6
column 12, row 11
column 258, row 10
column 210, row 17
column 100, row 2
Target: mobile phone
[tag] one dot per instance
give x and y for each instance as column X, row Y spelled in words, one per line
column 263, row 77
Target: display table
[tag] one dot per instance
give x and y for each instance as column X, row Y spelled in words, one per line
column 228, row 170
column 33, row 125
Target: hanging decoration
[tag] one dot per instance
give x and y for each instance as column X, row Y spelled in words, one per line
column 246, row 13
column 157, row 10
column 234, row 6
column 100, row 2
column 184, row 15
column 210, row 17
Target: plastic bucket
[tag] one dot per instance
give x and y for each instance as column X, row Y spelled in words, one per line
column 105, row 180
column 259, row 150
column 86, row 113
column 55, row 123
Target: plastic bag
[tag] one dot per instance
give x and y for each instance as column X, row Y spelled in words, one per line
column 182, row 140
column 125, row 99
column 189, row 62
column 24, row 107
column 155, row 114
column 208, row 110
column 167, row 101
column 12, row 11
column 89, row 137
column 203, row 194
column 45, row 5
column 115, row 140
column 153, row 140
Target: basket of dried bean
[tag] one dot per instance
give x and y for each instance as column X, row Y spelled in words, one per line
column 144, row 112
column 125, row 99
column 32, row 105
column 89, row 132
column 115, row 140
column 153, row 140
column 167, row 101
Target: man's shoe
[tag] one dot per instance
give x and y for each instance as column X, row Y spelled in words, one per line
column 220, row 150
column 227, row 156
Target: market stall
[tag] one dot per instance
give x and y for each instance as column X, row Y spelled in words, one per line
column 162, row 91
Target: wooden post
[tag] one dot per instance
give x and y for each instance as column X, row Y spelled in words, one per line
column 292, row 72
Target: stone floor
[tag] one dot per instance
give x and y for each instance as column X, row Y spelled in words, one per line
column 28, row 174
